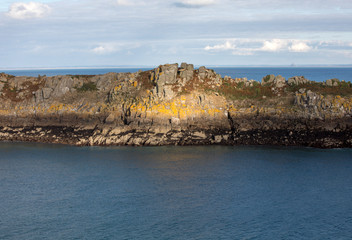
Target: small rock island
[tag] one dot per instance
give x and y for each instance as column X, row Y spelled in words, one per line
column 175, row 105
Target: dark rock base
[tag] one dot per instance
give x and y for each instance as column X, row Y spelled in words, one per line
column 113, row 137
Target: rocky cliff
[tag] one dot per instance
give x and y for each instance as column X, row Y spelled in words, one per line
column 177, row 105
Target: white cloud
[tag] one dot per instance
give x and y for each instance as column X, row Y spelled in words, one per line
column 104, row 49
column 29, row 10
column 247, row 47
column 127, row 3
column 274, row 45
column 111, row 47
column 299, row 47
column 226, row 46
column 194, row 3
column 124, row 3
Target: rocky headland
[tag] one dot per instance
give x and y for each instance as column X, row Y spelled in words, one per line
column 175, row 105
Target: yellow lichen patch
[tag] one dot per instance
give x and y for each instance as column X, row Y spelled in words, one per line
column 117, row 88
column 56, row 107
column 4, row 112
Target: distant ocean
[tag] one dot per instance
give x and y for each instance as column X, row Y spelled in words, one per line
column 318, row 74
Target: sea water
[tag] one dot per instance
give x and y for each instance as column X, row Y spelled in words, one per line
column 318, row 74
column 213, row 192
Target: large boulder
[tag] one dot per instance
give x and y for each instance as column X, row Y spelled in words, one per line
column 186, row 71
column 334, row 82
column 202, row 72
column 278, row 81
column 297, row 80
column 165, row 76
column 268, row 79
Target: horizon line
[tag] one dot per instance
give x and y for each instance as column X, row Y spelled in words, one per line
column 154, row 66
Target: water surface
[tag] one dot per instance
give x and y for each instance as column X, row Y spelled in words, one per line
column 318, row 74
column 64, row 192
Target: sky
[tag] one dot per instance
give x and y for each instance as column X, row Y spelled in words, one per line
column 69, row 33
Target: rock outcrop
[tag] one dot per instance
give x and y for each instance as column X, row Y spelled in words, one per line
column 177, row 105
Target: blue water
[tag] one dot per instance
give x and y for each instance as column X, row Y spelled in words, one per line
column 257, row 73
column 63, row 192
column 83, row 71
column 318, row 74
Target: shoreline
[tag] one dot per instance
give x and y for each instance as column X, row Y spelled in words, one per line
column 197, row 137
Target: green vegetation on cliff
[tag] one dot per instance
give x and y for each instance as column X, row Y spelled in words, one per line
column 89, row 86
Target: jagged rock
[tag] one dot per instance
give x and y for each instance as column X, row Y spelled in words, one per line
column 201, row 72
column 3, row 77
column 46, row 92
column 163, row 76
column 168, row 74
column 186, row 71
column 167, row 92
column 183, row 65
column 269, row 79
column 297, row 80
column 307, row 98
column 60, row 85
column 334, row 82
column 280, row 81
column 1, row 85
column 104, row 82
column 277, row 81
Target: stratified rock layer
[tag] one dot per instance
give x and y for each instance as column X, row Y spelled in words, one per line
column 176, row 105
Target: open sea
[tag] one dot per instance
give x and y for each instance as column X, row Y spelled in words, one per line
column 318, row 74
column 213, row 192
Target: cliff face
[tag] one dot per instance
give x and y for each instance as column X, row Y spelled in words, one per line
column 175, row 105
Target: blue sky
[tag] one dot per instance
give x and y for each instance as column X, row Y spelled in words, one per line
column 55, row 33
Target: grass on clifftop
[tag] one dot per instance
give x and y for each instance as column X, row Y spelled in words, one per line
column 343, row 88
column 144, row 79
column 238, row 91
column 89, row 86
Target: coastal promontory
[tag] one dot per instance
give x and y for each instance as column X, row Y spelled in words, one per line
column 175, row 105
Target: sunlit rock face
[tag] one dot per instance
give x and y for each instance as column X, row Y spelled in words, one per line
column 175, row 104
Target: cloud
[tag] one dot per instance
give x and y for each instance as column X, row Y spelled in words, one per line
column 194, row 3
column 274, row 45
column 111, row 47
column 245, row 47
column 124, row 3
column 226, row 46
column 104, row 49
column 127, row 3
column 299, row 47
column 296, row 4
column 29, row 10
column 242, row 50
